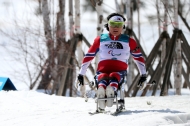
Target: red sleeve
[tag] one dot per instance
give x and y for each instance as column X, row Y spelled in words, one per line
column 90, row 55
column 132, row 44
column 137, row 56
column 95, row 45
column 135, row 50
column 92, row 50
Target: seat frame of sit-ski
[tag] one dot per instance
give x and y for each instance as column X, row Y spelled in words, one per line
column 117, row 102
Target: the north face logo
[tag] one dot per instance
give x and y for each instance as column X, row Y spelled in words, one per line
column 114, row 45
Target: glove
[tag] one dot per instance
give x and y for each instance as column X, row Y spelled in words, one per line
column 81, row 79
column 142, row 82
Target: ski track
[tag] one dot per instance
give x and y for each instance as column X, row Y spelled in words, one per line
column 21, row 108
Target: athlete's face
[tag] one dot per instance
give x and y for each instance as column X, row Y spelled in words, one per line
column 115, row 30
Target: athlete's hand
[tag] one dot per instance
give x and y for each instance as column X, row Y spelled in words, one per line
column 142, row 82
column 81, row 79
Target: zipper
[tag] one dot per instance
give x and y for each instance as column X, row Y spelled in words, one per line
column 114, row 37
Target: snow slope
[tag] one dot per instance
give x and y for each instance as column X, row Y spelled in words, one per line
column 31, row 108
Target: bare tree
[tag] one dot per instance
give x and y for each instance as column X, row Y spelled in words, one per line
column 129, row 6
column 138, row 18
column 98, row 4
column 158, row 15
column 60, row 45
column 63, row 86
column 178, row 65
column 29, row 50
column 118, row 8
column 47, row 76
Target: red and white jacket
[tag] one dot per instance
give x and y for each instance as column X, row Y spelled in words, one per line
column 114, row 52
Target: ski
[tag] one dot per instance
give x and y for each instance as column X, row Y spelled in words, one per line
column 102, row 111
column 119, row 110
column 98, row 112
column 93, row 113
column 116, row 113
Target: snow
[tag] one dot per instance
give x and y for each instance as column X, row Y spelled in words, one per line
column 23, row 13
column 31, row 108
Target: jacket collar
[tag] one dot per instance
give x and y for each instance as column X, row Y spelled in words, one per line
column 114, row 37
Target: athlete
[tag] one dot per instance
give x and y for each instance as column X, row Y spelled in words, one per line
column 114, row 50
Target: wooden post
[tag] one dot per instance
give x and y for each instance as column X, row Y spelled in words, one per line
column 163, row 47
column 149, row 61
column 169, row 57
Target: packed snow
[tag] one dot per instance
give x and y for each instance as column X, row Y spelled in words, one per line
column 32, row 108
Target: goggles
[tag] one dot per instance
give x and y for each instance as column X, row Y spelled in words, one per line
column 115, row 24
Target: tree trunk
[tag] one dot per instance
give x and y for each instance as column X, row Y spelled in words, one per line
column 131, row 66
column 99, row 10
column 68, row 53
column 60, row 45
column 77, row 17
column 139, row 25
column 46, row 77
column 158, row 15
column 79, row 52
column 178, row 65
column 117, row 7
